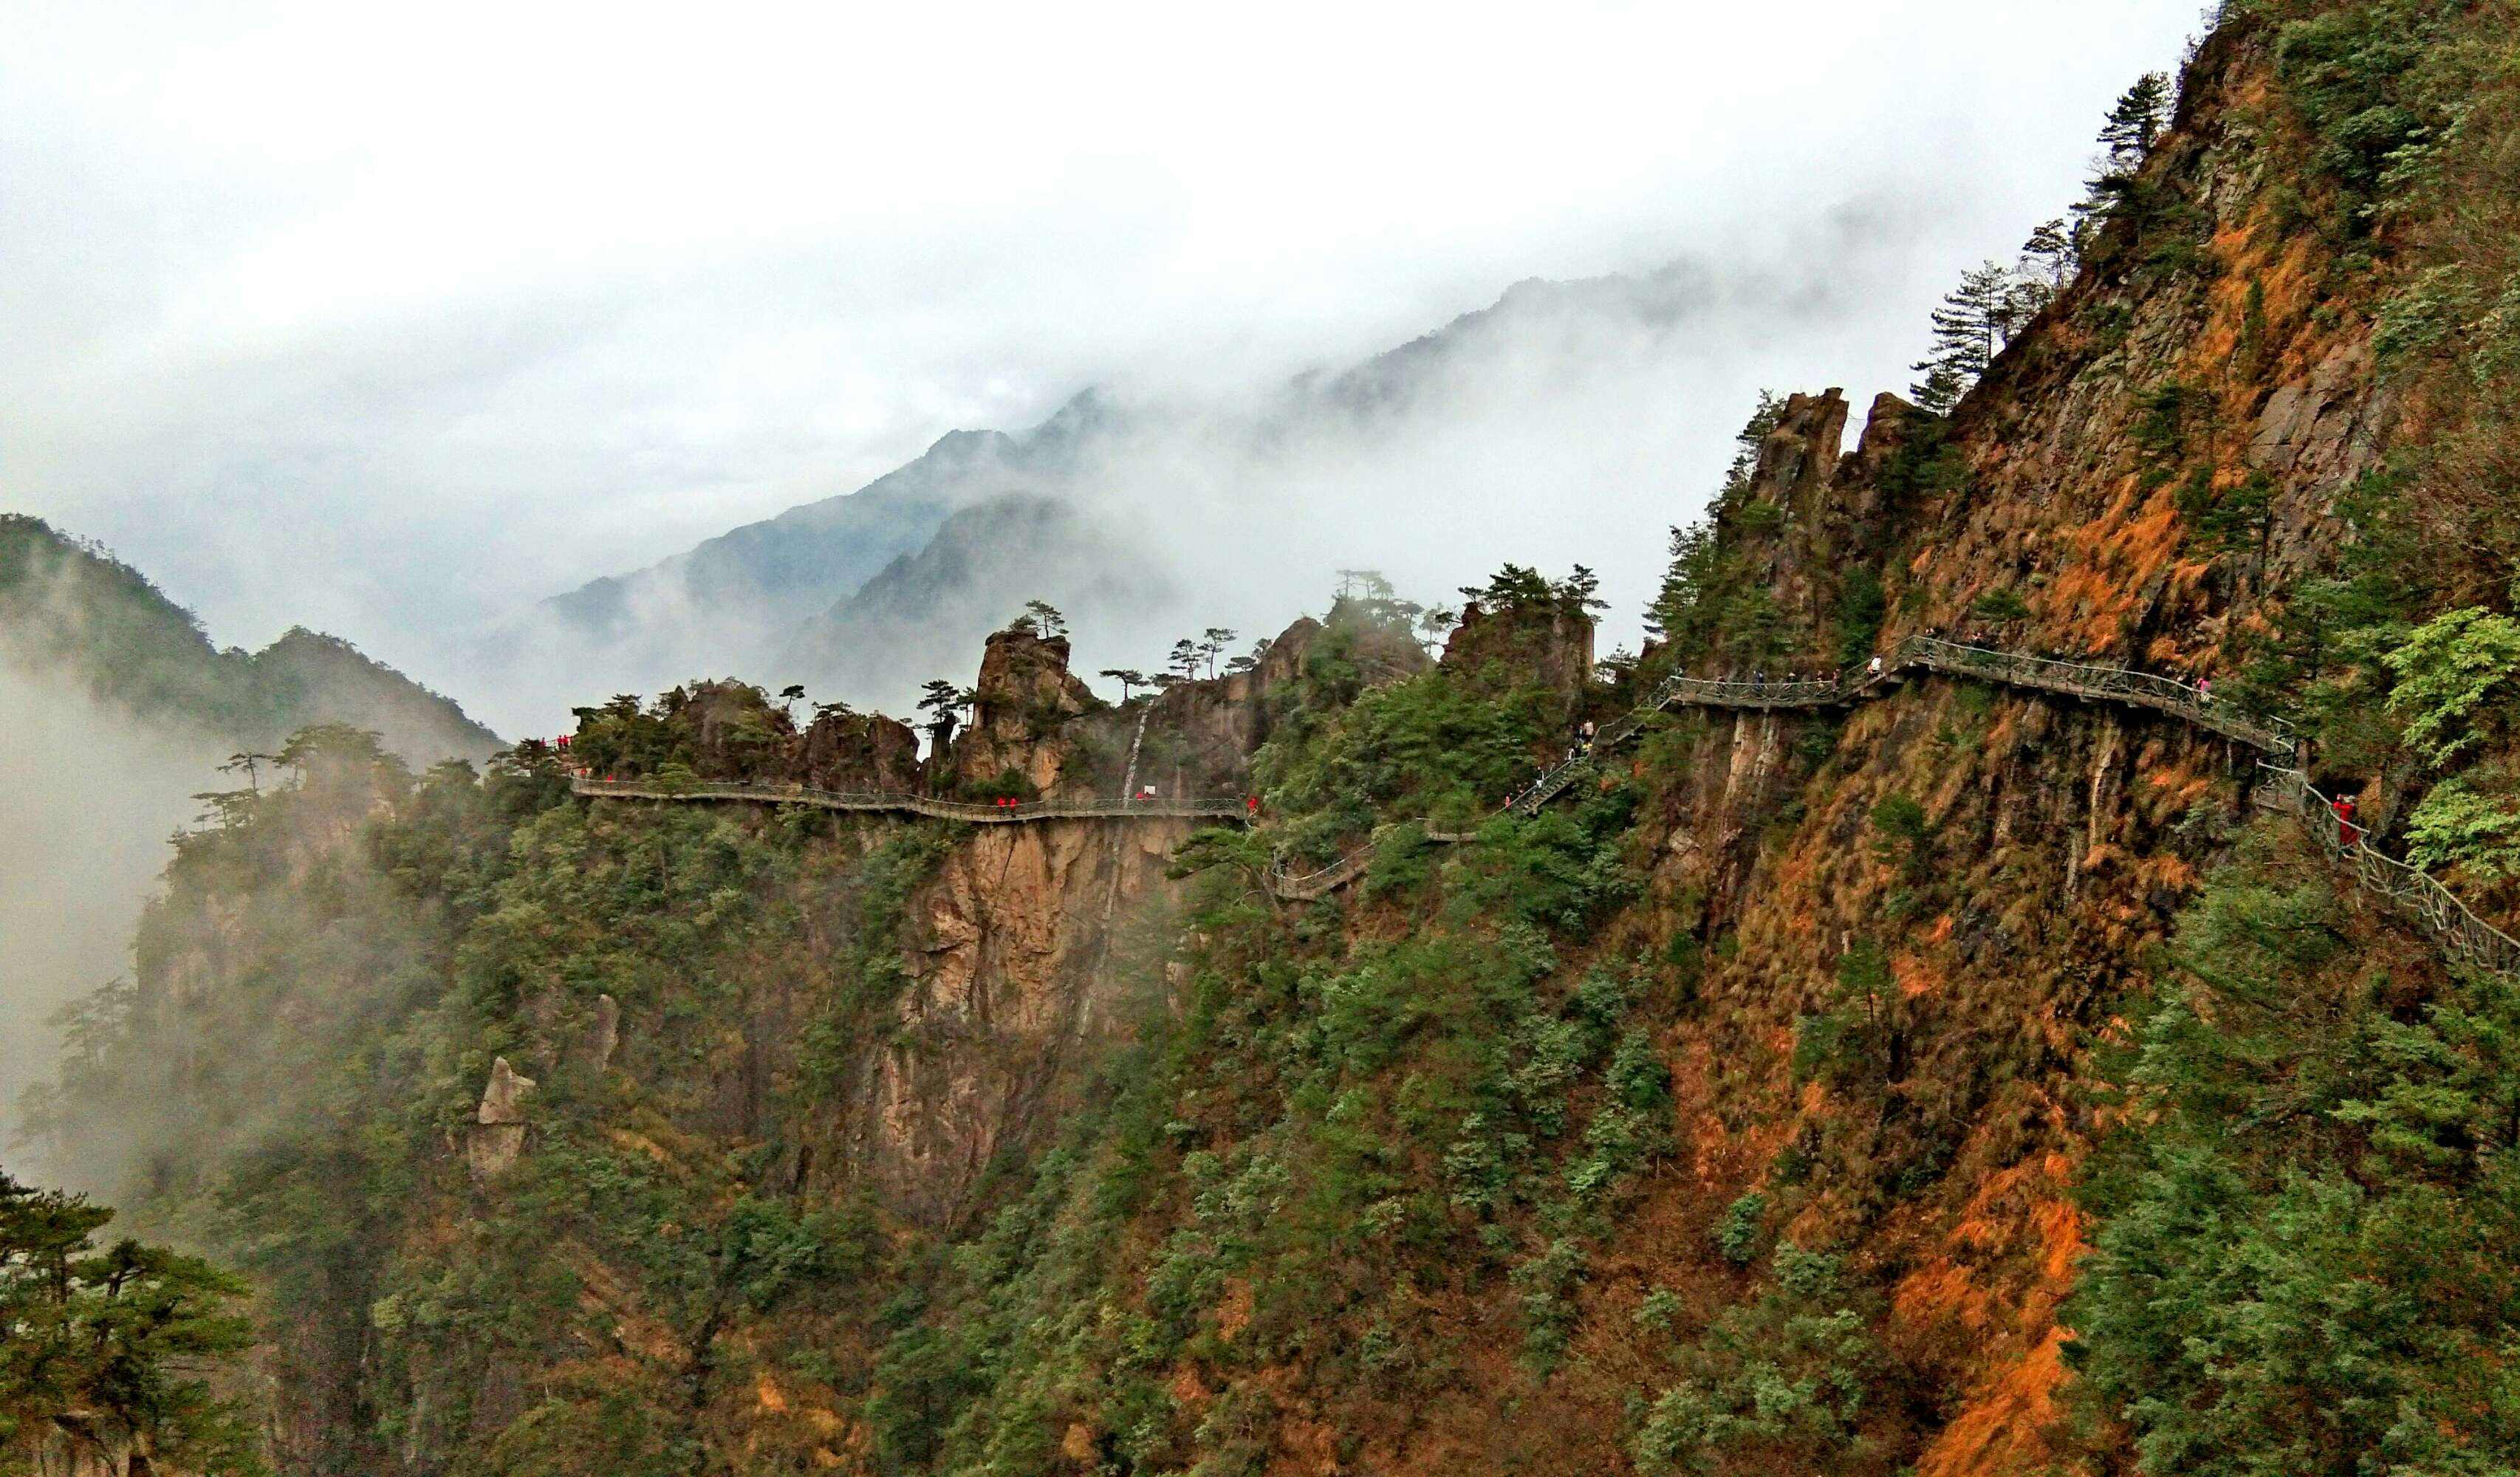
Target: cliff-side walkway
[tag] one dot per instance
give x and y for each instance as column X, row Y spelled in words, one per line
column 2460, row 932
column 903, row 802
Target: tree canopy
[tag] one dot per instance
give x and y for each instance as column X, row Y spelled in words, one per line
column 106, row 1351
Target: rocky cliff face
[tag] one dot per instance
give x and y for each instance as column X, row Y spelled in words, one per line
column 2140, row 478
column 857, row 751
column 1545, row 646
column 1009, row 996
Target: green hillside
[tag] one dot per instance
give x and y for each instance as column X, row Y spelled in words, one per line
column 68, row 608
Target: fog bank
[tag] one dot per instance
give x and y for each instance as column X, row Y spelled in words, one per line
column 88, row 797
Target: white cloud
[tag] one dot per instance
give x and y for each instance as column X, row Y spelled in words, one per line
column 382, row 320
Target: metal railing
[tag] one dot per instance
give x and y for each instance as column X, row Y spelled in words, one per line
column 2462, row 933
column 1857, row 683
column 1304, row 888
column 2081, row 679
column 1307, row 887
column 1216, row 807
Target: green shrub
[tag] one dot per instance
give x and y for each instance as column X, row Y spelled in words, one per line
column 1780, row 1381
column 2456, row 825
column 1742, row 1235
column 2446, row 670
column 2003, row 603
column 2298, row 1259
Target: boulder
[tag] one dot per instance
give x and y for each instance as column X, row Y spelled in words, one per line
column 604, row 1034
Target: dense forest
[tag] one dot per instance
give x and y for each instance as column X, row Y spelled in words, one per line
column 1969, row 1080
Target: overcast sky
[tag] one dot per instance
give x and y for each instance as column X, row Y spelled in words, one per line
column 384, row 320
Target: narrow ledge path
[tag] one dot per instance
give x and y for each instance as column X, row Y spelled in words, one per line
column 902, row 803
column 2283, row 786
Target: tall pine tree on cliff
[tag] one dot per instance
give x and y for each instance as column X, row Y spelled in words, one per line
column 1972, row 323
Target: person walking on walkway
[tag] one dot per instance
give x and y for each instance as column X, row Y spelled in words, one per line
column 2347, row 832
column 1873, row 668
column 1584, row 737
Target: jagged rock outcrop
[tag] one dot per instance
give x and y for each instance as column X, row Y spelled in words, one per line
column 603, row 1033
column 1200, row 735
column 731, row 730
column 1023, row 697
column 856, row 752
column 1009, row 993
column 1543, row 641
column 1892, row 426
column 500, row 1124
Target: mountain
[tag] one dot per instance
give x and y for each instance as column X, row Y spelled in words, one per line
column 924, row 614
column 1157, row 490
column 2003, row 1060
column 1534, row 320
column 72, row 612
column 739, row 596
column 120, row 713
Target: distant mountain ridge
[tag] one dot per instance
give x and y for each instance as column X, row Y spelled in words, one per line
column 796, row 565
column 916, row 614
column 866, row 594
column 70, row 610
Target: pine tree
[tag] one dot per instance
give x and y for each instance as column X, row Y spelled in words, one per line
column 1753, row 434
column 1970, row 327
column 2049, row 255
column 107, row 1346
column 1211, row 645
column 2127, row 136
column 2135, row 123
column 1581, row 590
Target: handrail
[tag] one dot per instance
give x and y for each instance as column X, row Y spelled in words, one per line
column 1210, row 807
column 1857, row 681
column 1322, row 883
column 2462, row 934
column 2083, row 679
